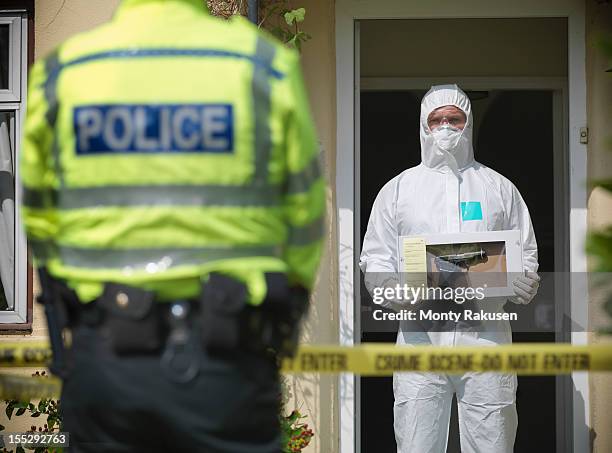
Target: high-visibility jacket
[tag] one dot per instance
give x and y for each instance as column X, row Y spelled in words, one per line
column 167, row 144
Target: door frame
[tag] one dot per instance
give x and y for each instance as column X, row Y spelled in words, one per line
column 348, row 86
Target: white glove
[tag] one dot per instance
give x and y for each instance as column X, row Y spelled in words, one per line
column 377, row 283
column 525, row 288
column 405, row 300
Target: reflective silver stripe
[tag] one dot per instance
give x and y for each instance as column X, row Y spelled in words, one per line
column 39, row 198
column 90, row 197
column 260, row 87
column 160, row 195
column 302, row 181
column 166, row 52
column 306, row 234
column 157, row 259
column 52, row 69
column 55, row 151
column 42, row 250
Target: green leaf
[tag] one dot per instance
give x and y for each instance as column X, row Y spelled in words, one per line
column 293, row 417
column 293, row 42
column 299, row 14
column 289, row 17
column 604, row 183
column 599, row 244
column 10, row 407
column 605, row 43
column 296, row 15
column 22, row 404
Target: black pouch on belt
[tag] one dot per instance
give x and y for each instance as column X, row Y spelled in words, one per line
column 223, row 300
column 132, row 322
column 282, row 310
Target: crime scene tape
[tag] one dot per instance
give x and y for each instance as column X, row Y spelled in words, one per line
column 376, row 359
column 28, row 354
column 24, row 388
column 371, row 359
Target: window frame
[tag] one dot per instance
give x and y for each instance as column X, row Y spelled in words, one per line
column 13, row 92
column 13, row 100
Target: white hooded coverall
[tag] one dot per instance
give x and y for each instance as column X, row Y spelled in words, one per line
column 426, row 199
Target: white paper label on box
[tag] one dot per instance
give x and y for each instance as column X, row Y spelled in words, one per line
column 414, row 261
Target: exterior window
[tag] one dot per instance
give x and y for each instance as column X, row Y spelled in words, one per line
column 14, row 300
column 5, row 42
column 13, row 60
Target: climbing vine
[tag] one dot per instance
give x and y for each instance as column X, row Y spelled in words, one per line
column 276, row 16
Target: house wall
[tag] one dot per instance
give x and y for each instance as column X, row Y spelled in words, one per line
column 599, row 112
column 57, row 20
column 317, row 394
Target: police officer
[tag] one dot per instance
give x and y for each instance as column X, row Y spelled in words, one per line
column 174, row 205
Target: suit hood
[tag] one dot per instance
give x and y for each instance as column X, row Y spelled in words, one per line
column 432, row 155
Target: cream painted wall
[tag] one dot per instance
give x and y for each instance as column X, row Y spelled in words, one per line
column 317, row 394
column 55, row 23
column 599, row 112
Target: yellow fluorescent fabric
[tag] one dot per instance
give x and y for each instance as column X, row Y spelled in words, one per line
column 167, row 144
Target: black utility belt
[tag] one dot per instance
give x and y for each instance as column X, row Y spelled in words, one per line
column 220, row 319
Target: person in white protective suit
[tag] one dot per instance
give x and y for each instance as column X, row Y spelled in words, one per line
column 427, row 199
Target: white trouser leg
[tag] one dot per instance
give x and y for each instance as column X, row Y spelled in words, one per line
column 487, row 412
column 421, row 412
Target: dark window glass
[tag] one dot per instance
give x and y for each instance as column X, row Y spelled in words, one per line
column 7, row 213
column 4, row 56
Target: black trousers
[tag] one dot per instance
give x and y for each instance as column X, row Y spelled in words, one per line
column 127, row 404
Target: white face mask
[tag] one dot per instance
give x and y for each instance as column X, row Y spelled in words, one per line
column 447, row 137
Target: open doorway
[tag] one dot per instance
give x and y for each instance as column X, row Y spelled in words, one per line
column 518, row 132
column 389, row 144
